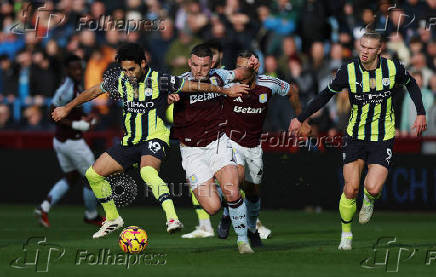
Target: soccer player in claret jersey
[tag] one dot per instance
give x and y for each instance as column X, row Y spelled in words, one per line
column 245, row 116
column 205, row 149
column 145, row 95
column 73, row 153
column 371, row 81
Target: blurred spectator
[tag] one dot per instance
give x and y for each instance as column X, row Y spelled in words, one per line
column 304, row 79
column 289, row 50
column 42, row 78
column 24, row 59
column 314, row 20
column 418, row 62
column 429, row 147
column 281, row 22
column 93, row 76
column 340, row 111
column 178, row 53
column 271, row 67
column 34, row 119
column 416, row 9
column 5, row 121
column 366, row 20
column 416, row 46
column 10, row 44
column 9, row 80
column 431, row 54
column 409, row 111
column 159, row 44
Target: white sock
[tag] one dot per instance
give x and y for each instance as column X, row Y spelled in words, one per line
column 91, row 214
column 205, row 224
column 45, row 206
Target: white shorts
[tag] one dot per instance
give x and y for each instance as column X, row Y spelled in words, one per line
column 201, row 163
column 251, row 160
column 73, row 155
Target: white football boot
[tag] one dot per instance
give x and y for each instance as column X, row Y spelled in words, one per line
column 108, row 227
column 346, row 240
column 174, row 225
column 199, row 232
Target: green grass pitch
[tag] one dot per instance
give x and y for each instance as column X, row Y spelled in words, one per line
column 303, row 244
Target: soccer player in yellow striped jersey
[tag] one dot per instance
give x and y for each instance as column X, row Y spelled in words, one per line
column 146, row 135
column 371, row 82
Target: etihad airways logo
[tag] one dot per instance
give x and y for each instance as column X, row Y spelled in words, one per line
column 138, row 106
column 193, row 98
column 248, row 110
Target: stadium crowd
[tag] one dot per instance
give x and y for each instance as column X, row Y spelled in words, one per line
column 300, row 41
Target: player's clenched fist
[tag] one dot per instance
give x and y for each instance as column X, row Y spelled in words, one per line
column 59, row 113
column 173, row 98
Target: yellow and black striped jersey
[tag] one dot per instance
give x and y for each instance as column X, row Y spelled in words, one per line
column 144, row 105
column 372, row 114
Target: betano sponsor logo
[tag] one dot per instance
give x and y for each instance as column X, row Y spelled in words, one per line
column 248, row 110
column 202, row 97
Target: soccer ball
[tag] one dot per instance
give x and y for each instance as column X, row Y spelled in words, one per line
column 133, row 240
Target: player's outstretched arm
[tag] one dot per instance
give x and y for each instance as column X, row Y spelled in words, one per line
column 339, row 82
column 234, row 91
column 294, row 99
column 312, row 108
column 88, row 95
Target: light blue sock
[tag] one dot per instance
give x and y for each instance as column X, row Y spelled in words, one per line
column 253, row 209
column 220, row 192
column 58, row 191
column 238, row 215
column 225, row 210
column 89, row 200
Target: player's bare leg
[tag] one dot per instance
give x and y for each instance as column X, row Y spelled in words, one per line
column 347, row 204
column 104, row 166
column 56, row 193
column 208, row 196
column 204, row 228
column 228, row 179
column 150, row 174
column 373, row 184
